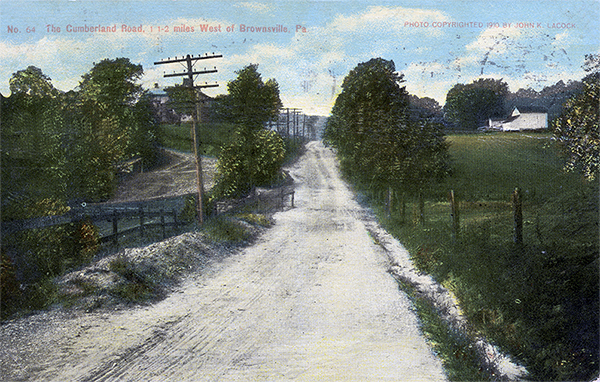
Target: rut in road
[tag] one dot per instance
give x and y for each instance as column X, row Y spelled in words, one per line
column 312, row 300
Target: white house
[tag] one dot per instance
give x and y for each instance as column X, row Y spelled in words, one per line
column 523, row 118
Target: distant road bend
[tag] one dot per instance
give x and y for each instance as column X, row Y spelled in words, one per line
column 312, row 300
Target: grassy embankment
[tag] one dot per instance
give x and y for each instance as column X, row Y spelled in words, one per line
column 212, row 136
column 538, row 300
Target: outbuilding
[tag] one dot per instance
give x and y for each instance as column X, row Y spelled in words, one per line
column 523, row 118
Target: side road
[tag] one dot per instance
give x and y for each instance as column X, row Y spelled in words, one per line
column 312, row 300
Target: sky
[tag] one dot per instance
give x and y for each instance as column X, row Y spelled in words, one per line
column 310, row 46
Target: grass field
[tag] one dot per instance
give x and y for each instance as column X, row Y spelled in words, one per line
column 211, row 137
column 538, row 300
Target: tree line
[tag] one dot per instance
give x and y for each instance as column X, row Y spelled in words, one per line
column 387, row 139
column 383, row 143
column 60, row 148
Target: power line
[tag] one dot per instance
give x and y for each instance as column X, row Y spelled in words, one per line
column 190, row 61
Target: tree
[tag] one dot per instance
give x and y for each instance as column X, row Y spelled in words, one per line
column 33, row 83
column 111, row 84
column 425, row 108
column 377, row 142
column 577, row 129
column 470, row 106
column 110, row 127
column 181, row 99
column 33, row 153
column 250, row 102
column 35, row 170
column 252, row 159
column 368, row 120
column 255, row 156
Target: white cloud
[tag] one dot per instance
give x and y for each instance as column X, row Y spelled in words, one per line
column 253, row 6
column 383, row 19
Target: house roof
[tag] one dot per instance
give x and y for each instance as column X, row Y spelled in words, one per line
column 531, row 109
column 511, row 118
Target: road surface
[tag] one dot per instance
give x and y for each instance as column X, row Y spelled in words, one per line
column 312, row 300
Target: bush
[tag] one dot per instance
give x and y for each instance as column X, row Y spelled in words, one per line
column 136, row 285
column 224, row 229
column 254, row 158
column 10, row 293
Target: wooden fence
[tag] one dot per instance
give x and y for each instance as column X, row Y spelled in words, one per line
column 107, row 219
column 263, row 200
column 517, row 208
column 147, row 219
column 115, row 220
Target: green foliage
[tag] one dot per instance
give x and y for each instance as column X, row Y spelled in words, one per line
column 470, row 106
column 63, row 147
column 181, row 99
column 136, row 285
column 456, row 350
column 255, row 156
column 256, row 219
column 212, row 137
column 425, row 109
column 111, row 85
column 144, row 133
column 293, row 149
column 34, row 165
column 223, row 229
column 252, row 159
column 113, row 122
column 250, row 102
column 578, row 127
column 377, row 143
column 538, row 301
column 368, row 121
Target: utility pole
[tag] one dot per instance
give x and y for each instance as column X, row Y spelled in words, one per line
column 190, row 61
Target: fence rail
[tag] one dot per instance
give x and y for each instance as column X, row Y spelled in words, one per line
column 265, row 200
column 146, row 217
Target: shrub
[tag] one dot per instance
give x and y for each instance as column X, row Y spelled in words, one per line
column 10, row 293
column 254, row 158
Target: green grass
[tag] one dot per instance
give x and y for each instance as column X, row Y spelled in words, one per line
column 539, row 300
column 489, row 166
column 224, row 229
column 211, row 137
column 456, row 350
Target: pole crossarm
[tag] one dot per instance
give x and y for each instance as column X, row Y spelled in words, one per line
column 192, row 73
column 206, row 86
column 190, row 61
column 184, row 59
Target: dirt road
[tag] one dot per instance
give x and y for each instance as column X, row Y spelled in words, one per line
column 311, row 301
column 177, row 176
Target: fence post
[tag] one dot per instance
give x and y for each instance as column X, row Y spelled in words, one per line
column 518, row 216
column 175, row 219
column 141, row 221
column 421, row 208
column 390, row 198
column 162, row 223
column 260, row 205
column 115, row 224
column 454, row 214
column 281, row 196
